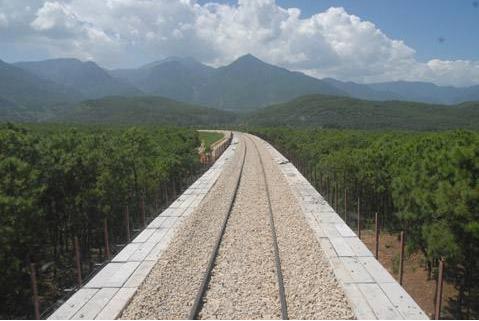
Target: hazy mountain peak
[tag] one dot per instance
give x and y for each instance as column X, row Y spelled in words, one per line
column 252, row 64
column 249, row 59
column 84, row 77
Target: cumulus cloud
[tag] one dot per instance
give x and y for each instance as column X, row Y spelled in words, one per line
column 332, row 43
column 454, row 71
column 54, row 14
column 3, row 20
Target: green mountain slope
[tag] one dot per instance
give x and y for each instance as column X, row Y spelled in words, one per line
column 132, row 110
column 343, row 112
column 24, row 88
column 10, row 111
column 251, row 83
column 180, row 79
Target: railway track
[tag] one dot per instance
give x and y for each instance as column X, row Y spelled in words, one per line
column 199, row 299
column 225, row 262
column 277, row 259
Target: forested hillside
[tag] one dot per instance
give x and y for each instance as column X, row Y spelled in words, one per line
column 9, row 111
column 426, row 184
column 143, row 110
column 308, row 111
column 343, row 112
column 59, row 182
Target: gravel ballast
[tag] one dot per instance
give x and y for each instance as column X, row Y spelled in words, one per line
column 243, row 284
column 312, row 291
column 170, row 289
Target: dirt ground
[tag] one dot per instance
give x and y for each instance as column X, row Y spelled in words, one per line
column 415, row 278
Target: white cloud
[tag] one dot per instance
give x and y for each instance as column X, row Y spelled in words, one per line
column 456, row 72
column 3, row 20
column 54, row 14
column 63, row 29
column 333, row 43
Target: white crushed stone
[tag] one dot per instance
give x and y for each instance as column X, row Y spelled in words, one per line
column 243, row 284
column 312, row 291
column 170, row 289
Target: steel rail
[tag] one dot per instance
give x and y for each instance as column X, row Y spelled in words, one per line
column 277, row 259
column 198, row 303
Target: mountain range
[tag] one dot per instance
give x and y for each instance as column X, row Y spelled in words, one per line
column 246, row 84
column 249, row 83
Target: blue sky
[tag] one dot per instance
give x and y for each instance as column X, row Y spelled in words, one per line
column 420, row 23
column 356, row 40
